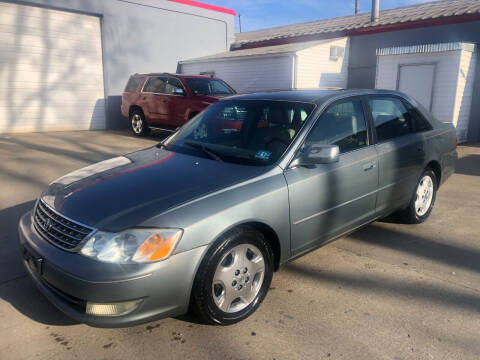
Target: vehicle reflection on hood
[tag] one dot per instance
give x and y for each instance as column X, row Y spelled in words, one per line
column 117, row 193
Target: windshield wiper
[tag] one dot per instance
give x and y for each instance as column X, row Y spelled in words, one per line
column 206, row 150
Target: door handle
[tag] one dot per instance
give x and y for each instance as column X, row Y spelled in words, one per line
column 368, row 166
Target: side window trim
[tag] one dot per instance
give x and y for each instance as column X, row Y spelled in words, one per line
column 367, row 113
column 328, row 107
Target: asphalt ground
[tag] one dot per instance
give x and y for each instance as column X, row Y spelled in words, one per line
column 387, row 291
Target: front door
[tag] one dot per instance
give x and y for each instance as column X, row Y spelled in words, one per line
column 329, row 199
column 177, row 104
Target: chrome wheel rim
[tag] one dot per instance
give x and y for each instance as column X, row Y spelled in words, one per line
column 238, row 278
column 137, row 123
column 424, row 195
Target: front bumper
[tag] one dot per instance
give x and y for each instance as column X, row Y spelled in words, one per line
column 69, row 280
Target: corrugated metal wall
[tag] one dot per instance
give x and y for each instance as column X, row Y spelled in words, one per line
column 51, row 74
column 248, row 74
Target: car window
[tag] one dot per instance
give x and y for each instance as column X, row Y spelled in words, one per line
column 343, row 124
column 172, row 84
column 217, row 87
column 253, row 132
column 390, row 117
column 418, row 120
column 206, row 86
column 133, row 83
column 155, row 85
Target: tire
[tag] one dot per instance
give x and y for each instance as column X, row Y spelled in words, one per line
column 224, row 292
column 138, row 124
column 420, row 207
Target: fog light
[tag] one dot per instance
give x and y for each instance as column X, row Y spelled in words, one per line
column 113, row 309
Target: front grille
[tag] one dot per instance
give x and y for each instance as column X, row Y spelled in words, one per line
column 59, row 230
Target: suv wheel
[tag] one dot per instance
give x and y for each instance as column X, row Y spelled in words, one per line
column 138, row 124
column 234, row 277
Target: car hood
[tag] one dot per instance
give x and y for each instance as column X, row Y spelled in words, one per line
column 124, row 191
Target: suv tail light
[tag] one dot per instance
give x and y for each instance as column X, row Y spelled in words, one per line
column 456, row 142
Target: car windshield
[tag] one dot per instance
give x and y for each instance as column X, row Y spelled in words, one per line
column 207, row 86
column 249, row 132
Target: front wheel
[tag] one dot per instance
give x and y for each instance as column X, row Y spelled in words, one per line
column 234, row 277
column 423, row 199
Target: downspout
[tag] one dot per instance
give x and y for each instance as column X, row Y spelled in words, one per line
column 294, row 70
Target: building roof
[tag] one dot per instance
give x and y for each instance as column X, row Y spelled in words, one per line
column 259, row 51
column 347, row 24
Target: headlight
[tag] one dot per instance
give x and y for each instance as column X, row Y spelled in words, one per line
column 132, row 246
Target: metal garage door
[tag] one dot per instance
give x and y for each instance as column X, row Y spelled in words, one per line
column 417, row 80
column 51, row 75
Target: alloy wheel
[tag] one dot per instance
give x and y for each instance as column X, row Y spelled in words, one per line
column 424, row 195
column 137, row 123
column 238, row 278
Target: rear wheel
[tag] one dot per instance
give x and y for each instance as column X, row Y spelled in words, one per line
column 138, row 124
column 423, row 199
column 234, row 277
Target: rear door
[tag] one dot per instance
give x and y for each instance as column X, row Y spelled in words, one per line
column 177, row 104
column 329, row 199
column 155, row 101
column 401, row 152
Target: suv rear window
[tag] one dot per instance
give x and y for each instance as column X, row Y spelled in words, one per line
column 133, row 83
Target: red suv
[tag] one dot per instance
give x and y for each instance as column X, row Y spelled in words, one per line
column 167, row 101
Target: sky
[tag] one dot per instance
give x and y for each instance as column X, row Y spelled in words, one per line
column 260, row 14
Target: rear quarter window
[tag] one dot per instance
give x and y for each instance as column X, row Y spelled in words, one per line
column 420, row 123
column 133, row 83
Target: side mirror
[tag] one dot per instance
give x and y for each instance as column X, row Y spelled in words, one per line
column 317, row 154
column 178, row 91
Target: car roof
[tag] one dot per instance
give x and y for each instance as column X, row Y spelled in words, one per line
column 316, row 96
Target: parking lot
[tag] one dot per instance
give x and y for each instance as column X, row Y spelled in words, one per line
column 388, row 291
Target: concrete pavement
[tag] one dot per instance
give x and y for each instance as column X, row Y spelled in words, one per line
column 388, row 291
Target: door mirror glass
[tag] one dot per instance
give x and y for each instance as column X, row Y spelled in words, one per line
column 178, row 91
column 317, row 154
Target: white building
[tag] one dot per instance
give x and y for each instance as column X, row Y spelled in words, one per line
column 314, row 64
column 64, row 63
column 439, row 76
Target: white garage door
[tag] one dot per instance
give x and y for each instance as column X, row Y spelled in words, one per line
column 416, row 80
column 51, row 75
